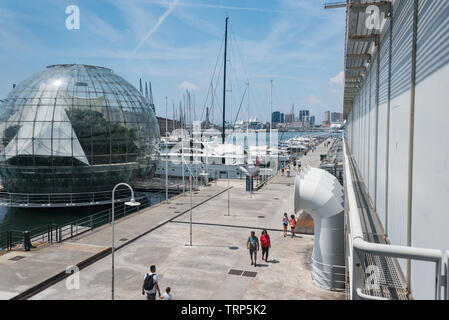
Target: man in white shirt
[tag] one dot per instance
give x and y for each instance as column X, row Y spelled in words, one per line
column 151, row 293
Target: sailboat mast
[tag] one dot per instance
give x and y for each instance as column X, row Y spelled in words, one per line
column 224, row 83
column 271, row 109
column 247, row 115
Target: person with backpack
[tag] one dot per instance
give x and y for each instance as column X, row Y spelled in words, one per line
column 253, row 245
column 266, row 244
column 285, row 223
column 150, row 284
column 293, row 224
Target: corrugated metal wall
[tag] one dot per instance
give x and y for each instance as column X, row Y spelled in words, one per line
column 382, row 114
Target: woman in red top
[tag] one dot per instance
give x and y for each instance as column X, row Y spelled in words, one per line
column 266, row 244
column 292, row 224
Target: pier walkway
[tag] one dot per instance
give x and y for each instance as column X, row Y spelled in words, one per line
column 160, row 235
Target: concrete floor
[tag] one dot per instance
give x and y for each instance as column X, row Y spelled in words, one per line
column 199, row 271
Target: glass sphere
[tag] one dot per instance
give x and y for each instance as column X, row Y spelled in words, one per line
column 76, row 129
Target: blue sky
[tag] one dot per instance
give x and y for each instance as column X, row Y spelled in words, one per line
column 175, row 45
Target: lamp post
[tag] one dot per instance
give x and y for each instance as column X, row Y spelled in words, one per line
column 229, row 195
column 166, row 150
column 131, row 203
column 190, row 188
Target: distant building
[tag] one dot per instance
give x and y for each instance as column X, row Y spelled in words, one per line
column 327, row 117
column 336, row 117
column 172, row 124
column 290, row 118
column 277, row 117
column 312, row 121
column 302, row 114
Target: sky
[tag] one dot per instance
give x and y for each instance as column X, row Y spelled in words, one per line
column 177, row 45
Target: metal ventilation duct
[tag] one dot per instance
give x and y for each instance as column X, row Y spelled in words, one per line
column 323, row 178
column 317, row 193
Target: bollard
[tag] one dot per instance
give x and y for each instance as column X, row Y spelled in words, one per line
column 26, row 240
column 9, row 240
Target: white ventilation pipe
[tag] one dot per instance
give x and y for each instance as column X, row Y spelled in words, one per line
column 323, row 173
column 317, row 194
column 322, row 178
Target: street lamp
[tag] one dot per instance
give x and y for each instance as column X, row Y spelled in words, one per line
column 131, row 203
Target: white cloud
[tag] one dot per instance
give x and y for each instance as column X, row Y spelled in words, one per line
column 187, row 86
column 338, row 80
column 314, row 101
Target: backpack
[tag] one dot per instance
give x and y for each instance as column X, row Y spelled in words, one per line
column 149, row 282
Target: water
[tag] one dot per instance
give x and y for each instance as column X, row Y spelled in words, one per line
column 262, row 138
column 21, row 219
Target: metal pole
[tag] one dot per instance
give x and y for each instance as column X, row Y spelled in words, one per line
column 166, row 150
column 224, row 86
column 190, row 183
column 182, row 164
column 229, row 195
column 113, row 220
column 271, row 108
column 112, row 248
column 412, row 139
column 247, row 115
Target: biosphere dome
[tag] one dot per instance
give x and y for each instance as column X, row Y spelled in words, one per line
column 76, row 129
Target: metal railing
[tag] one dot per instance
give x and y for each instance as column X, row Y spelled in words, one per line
column 50, row 233
column 359, row 248
column 42, row 200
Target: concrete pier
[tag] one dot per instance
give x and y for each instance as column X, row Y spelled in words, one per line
column 160, row 235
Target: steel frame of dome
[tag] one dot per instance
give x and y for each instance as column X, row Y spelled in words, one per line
column 69, row 133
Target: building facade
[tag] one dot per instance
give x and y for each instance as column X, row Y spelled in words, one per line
column 396, row 107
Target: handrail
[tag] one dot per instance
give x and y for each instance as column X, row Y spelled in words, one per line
column 392, row 251
column 91, row 221
column 369, row 297
column 446, row 272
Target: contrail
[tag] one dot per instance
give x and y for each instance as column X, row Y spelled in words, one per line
column 158, row 23
column 214, row 6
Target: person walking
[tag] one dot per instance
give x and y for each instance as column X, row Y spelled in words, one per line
column 151, row 284
column 167, row 295
column 293, row 224
column 282, row 169
column 266, row 244
column 253, row 245
column 285, row 223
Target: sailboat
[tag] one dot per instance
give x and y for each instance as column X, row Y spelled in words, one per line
column 203, row 153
